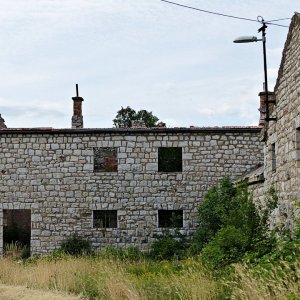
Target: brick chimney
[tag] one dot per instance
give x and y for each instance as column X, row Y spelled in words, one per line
column 2, row 122
column 77, row 118
column 263, row 107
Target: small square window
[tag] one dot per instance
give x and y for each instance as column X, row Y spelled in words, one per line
column 105, row 159
column 170, row 159
column 170, row 218
column 105, row 219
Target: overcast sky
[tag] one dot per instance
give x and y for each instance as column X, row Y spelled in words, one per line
column 178, row 63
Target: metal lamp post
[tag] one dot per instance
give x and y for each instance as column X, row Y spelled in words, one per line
column 251, row 39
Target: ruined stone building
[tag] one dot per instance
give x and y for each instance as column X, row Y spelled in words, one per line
column 121, row 186
column 114, row 186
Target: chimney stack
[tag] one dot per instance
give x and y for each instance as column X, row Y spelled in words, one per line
column 77, row 118
column 263, row 106
column 2, row 122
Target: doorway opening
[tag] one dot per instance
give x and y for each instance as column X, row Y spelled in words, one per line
column 16, row 231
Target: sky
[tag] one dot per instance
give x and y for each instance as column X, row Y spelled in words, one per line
column 181, row 64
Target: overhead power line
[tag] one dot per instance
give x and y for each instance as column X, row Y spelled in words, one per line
column 224, row 15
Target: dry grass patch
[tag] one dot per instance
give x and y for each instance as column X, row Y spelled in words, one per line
column 103, row 278
column 8, row 292
column 277, row 283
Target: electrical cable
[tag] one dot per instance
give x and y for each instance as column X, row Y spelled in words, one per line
column 224, row 15
column 279, row 20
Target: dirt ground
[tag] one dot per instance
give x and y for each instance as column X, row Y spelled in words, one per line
column 22, row 293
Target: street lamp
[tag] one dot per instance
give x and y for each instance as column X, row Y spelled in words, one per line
column 251, row 39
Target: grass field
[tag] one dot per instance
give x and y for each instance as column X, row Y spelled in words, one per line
column 111, row 278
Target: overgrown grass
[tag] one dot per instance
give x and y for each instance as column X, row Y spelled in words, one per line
column 104, row 277
column 98, row 277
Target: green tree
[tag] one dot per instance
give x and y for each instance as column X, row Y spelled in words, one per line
column 147, row 117
column 126, row 116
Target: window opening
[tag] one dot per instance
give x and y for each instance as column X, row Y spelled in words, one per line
column 105, row 159
column 105, row 219
column 170, row 218
column 298, row 144
column 170, row 159
column 273, row 157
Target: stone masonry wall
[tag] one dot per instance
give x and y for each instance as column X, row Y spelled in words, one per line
column 282, row 167
column 52, row 173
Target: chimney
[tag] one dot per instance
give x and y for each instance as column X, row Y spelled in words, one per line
column 263, row 106
column 138, row 124
column 2, row 122
column 77, row 119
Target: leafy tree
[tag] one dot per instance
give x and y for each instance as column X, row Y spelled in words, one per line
column 147, row 117
column 126, row 116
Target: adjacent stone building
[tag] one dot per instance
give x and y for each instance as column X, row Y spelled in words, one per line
column 281, row 168
column 282, row 151
column 114, row 186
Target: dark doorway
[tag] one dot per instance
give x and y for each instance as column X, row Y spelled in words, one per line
column 17, row 226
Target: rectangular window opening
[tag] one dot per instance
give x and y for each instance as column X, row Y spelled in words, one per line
column 273, row 157
column 170, row 159
column 105, row 159
column 298, row 145
column 105, row 219
column 170, row 218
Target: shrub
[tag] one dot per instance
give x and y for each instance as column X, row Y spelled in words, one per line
column 230, row 226
column 168, row 246
column 228, row 246
column 131, row 253
column 75, row 245
column 212, row 213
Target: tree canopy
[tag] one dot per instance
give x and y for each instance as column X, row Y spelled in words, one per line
column 126, row 116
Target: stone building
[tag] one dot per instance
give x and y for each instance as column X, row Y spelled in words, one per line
column 282, row 135
column 113, row 186
column 122, row 186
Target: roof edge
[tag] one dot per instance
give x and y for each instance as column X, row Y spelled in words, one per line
column 295, row 20
column 129, row 130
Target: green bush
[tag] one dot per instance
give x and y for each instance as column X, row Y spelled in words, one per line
column 212, row 213
column 230, row 226
column 75, row 245
column 131, row 253
column 228, row 246
column 168, row 246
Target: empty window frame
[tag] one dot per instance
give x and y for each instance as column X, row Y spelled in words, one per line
column 170, row 159
column 105, row 219
column 170, row 218
column 105, row 159
column 273, row 158
column 298, row 145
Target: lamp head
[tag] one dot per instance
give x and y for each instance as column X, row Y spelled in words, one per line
column 246, row 39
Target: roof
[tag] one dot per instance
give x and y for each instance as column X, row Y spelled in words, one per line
column 255, row 176
column 295, row 21
column 192, row 129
